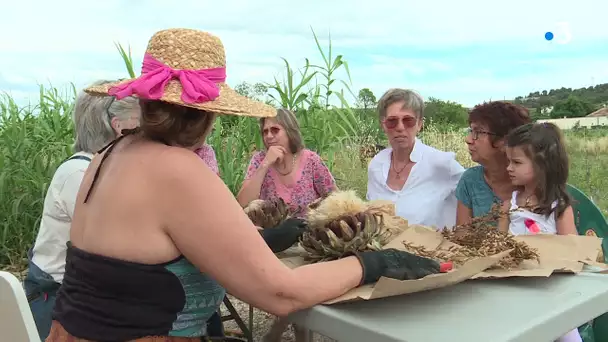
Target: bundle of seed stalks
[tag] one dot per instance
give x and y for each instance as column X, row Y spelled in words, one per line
column 479, row 238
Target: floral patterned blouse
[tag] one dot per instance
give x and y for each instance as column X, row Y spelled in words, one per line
column 313, row 180
column 207, row 154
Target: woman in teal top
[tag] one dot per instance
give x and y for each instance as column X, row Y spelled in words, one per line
column 488, row 183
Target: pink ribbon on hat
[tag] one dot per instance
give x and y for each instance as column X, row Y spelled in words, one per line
column 197, row 85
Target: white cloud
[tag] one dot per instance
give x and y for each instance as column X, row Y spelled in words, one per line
column 73, row 41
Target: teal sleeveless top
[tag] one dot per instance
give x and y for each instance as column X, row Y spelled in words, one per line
column 474, row 192
column 107, row 299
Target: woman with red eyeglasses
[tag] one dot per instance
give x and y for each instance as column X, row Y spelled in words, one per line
column 290, row 171
column 286, row 169
column 488, row 183
column 419, row 179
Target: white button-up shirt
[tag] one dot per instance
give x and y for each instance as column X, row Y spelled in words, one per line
column 428, row 195
column 50, row 246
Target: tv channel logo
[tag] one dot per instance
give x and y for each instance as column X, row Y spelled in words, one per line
column 561, row 34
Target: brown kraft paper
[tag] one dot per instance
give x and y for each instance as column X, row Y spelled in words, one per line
column 558, row 253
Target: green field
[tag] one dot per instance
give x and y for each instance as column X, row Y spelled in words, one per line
column 35, row 139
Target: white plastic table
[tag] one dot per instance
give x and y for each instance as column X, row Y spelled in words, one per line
column 513, row 309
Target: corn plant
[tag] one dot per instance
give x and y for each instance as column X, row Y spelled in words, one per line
column 127, row 58
column 35, row 139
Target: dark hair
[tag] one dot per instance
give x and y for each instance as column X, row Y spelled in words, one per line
column 173, row 124
column 500, row 117
column 543, row 143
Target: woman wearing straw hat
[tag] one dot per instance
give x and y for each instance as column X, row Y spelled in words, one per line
column 157, row 238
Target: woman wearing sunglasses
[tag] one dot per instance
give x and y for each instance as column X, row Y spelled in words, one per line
column 419, row 179
column 488, row 183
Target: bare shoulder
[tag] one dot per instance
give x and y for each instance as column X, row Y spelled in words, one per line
column 175, row 164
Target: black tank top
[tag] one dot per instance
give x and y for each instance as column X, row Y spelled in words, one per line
column 106, row 299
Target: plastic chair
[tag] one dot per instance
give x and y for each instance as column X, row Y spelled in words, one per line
column 589, row 220
column 17, row 323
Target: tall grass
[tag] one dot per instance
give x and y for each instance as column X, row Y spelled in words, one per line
column 34, row 140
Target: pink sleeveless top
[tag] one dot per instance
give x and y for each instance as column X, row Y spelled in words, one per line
column 312, row 181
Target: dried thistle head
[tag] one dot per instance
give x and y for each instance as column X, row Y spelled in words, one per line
column 345, row 234
column 267, row 213
column 343, row 223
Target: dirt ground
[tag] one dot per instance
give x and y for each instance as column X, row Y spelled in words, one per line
column 261, row 323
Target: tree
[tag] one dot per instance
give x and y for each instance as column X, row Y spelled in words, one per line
column 572, row 107
column 257, row 91
column 366, row 99
column 445, row 112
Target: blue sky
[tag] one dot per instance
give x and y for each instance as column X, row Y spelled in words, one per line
column 466, row 51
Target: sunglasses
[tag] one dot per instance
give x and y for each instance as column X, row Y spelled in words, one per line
column 407, row 121
column 273, row 130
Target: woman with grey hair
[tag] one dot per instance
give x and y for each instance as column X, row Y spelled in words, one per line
column 97, row 122
column 419, row 179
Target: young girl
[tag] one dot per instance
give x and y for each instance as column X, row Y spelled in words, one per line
column 538, row 167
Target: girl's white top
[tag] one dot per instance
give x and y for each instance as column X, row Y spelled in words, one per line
column 428, row 195
column 525, row 222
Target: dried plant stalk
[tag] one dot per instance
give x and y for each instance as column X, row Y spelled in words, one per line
column 479, row 238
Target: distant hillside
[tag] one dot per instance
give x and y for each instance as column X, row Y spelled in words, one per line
column 566, row 102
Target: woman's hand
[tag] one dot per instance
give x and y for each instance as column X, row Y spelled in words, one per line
column 275, row 154
column 284, row 235
column 251, row 188
column 393, row 263
column 504, row 220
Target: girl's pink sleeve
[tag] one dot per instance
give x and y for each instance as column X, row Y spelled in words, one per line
column 254, row 164
column 323, row 180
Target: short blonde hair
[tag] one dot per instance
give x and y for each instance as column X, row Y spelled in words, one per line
column 93, row 115
column 411, row 99
column 289, row 122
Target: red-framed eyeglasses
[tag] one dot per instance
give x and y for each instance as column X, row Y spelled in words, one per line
column 407, row 121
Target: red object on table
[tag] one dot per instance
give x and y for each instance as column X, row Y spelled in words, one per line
column 446, row 266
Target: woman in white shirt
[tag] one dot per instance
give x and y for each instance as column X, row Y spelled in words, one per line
column 97, row 121
column 420, row 179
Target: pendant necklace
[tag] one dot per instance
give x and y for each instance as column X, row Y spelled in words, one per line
column 394, row 169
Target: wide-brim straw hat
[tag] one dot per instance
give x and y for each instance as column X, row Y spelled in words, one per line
column 190, row 60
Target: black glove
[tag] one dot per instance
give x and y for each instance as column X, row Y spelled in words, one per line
column 284, row 235
column 393, row 263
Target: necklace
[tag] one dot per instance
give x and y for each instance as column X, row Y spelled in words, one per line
column 528, row 201
column 394, row 169
column 293, row 165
